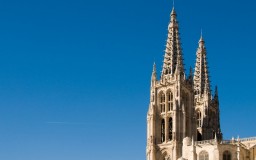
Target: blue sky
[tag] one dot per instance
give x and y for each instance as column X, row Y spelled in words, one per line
column 74, row 75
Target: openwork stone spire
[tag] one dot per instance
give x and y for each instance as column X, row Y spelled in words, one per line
column 173, row 53
column 201, row 75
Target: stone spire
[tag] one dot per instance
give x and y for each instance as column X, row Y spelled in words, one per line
column 173, row 59
column 201, row 75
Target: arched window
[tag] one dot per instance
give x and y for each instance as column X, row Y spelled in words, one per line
column 162, row 102
column 226, row 155
column 203, row 155
column 162, row 130
column 199, row 119
column 170, row 128
column 167, row 71
column 170, row 101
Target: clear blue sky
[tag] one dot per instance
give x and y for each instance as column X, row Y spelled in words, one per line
column 74, row 74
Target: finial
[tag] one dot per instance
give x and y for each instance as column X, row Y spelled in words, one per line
column 201, row 36
column 173, row 10
column 173, row 3
column 154, row 71
column 154, row 75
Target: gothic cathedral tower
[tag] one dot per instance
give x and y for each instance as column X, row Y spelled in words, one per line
column 206, row 108
column 171, row 109
column 180, row 106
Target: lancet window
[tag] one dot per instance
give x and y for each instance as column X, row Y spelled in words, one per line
column 162, row 130
column 170, row 101
column 170, row 128
column 162, row 102
column 199, row 119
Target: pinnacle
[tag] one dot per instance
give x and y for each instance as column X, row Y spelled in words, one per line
column 154, row 76
column 154, row 67
column 216, row 92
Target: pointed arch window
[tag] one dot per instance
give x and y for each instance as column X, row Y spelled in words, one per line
column 162, row 102
column 226, row 155
column 162, row 130
column 170, row 101
column 203, row 155
column 170, row 128
column 199, row 119
column 168, row 71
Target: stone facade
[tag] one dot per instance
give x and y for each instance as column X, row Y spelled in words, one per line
column 183, row 117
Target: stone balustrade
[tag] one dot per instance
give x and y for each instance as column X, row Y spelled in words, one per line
column 248, row 139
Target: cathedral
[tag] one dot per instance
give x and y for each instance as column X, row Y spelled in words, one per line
column 183, row 121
